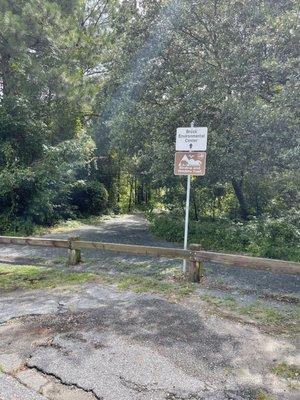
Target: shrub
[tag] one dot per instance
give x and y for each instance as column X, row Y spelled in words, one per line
column 260, row 237
column 90, row 198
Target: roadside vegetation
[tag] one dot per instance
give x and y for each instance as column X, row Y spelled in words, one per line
column 265, row 237
column 13, row 277
column 280, row 319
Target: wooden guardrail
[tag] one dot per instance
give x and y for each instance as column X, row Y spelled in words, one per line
column 195, row 255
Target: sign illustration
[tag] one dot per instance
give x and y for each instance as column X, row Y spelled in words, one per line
column 190, row 163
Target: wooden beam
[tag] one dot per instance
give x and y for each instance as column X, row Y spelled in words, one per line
column 34, row 241
column 278, row 266
column 135, row 249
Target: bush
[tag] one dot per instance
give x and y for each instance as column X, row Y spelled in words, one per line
column 262, row 237
column 90, row 198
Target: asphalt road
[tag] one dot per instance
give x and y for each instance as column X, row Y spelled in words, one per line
column 96, row 342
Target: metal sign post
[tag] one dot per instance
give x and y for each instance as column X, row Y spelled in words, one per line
column 190, row 160
column 187, row 212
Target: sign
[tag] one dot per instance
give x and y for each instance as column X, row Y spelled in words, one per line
column 191, row 139
column 190, row 163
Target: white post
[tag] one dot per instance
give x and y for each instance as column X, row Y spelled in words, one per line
column 187, row 212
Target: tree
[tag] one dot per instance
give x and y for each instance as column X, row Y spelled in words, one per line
column 227, row 65
column 49, row 55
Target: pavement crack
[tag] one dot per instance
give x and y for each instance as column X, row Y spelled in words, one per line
column 60, row 380
column 55, row 346
column 19, row 317
column 137, row 387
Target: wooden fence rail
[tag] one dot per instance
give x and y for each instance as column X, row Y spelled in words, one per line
column 195, row 255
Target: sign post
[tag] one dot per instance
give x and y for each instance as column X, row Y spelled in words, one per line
column 186, row 222
column 190, row 161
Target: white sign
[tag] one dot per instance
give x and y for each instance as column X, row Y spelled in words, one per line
column 191, row 139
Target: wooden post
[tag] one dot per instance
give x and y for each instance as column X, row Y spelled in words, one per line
column 195, row 269
column 74, row 255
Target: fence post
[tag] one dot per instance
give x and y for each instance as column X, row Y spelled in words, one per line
column 195, row 270
column 74, row 255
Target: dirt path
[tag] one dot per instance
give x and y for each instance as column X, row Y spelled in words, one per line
column 96, row 342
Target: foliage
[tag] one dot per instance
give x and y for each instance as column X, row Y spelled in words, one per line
column 227, row 65
column 259, row 237
column 46, row 89
column 90, row 198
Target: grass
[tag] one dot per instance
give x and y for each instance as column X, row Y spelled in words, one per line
column 282, row 319
column 14, row 277
column 227, row 301
column 286, row 371
column 264, row 314
column 263, row 395
column 140, row 284
column 60, row 227
column 71, row 225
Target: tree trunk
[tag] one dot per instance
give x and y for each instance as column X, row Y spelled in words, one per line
column 195, row 207
column 130, row 195
column 239, row 192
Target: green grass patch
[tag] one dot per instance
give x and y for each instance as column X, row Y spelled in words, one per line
column 59, row 227
column 227, row 301
column 286, row 371
column 263, row 395
column 140, row 284
column 283, row 319
column 14, row 277
column 33, row 277
column 265, row 314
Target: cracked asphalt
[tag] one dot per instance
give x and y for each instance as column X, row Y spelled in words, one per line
column 95, row 342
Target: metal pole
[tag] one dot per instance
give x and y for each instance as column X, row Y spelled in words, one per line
column 187, row 212
column 186, row 224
